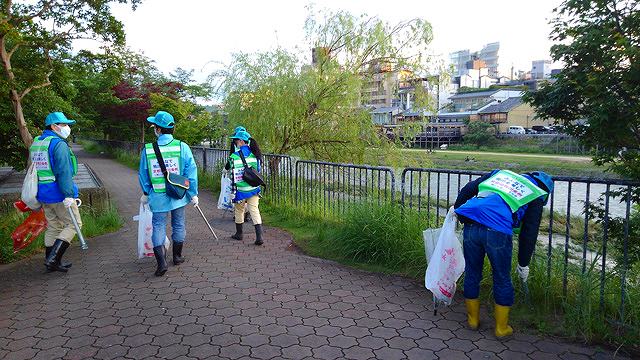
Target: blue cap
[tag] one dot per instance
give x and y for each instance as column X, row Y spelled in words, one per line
column 544, row 179
column 162, row 119
column 57, row 118
column 242, row 135
column 239, row 128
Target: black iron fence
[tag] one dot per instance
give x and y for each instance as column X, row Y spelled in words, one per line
column 331, row 188
column 586, row 225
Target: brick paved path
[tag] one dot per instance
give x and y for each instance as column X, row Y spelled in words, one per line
column 231, row 300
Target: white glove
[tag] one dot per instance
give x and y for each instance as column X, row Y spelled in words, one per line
column 144, row 199
column 523, row 272
column 194, row 200
column 67, row 202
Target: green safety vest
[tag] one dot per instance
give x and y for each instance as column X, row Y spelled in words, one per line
column 516, row 190
column 238, row 171
column 172, row 161
column 40, row 157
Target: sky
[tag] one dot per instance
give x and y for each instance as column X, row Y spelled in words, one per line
column 202, row 34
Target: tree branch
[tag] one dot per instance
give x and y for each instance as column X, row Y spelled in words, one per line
column 13, row 50
column 45, row 7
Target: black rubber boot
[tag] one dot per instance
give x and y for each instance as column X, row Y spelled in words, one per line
column 238, row 234
column 258, row 234
column 47, row 251
column 53, row 260
column 177, row 253
column 159, row 252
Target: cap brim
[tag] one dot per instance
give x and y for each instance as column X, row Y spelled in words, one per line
column 66, row 121
column 151, row 119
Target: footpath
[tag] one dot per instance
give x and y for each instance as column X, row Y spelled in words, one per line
column 232, row 300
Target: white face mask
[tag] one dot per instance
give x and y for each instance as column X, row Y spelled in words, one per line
column 63, row 131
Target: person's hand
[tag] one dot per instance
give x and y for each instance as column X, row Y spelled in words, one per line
column 194, row 200
column 144, row 199
column 67, row 202
column 523, row 272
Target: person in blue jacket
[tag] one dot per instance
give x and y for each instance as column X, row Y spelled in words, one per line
column 56, row 165
column 255, row 150
column 245, row 195
column 491, row 207
column 178, row 159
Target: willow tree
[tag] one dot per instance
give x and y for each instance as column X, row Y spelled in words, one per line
column 44, row 30
column 312, row 108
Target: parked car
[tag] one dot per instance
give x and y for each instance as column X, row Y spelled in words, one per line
column 516, row 130
column 530, row 131
column 540, row 129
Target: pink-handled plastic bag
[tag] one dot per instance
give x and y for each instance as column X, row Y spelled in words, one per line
column 145, row 230
column 446, row 263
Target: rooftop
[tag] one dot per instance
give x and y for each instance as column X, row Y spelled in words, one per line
column 503, row 106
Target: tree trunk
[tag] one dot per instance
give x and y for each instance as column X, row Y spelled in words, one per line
column 27, row 139
column 142, row 134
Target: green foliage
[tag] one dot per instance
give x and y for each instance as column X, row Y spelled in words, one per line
column 596, row 94
column 36, row 38
column 479, row 134
column 312, row 110
column 377, row 238
column 194, row 123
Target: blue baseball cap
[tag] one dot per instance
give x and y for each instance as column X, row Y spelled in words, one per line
column 57, row 118
column 239, row 128
column 242, row 135
column 545, row 180
column 162, row 119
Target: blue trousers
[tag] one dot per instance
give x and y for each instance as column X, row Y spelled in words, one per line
column 478, row 241
column 159, row 221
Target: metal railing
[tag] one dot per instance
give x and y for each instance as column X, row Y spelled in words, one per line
column 334, row 187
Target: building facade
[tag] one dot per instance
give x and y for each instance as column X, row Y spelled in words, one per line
column 488, row 54
column 541, row 69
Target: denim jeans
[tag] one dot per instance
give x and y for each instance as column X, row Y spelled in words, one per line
column 478, row 241
column 159, row 221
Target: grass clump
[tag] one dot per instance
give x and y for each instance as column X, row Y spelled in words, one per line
column 378, row 238
column 95, row 223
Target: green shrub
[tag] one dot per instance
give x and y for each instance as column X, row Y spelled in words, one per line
column 94, row 223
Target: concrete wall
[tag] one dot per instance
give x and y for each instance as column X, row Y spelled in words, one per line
column 523, row 115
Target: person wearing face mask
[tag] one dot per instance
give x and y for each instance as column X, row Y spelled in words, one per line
column 178, row 159
column 245, row 194
column 56, row 166
column 255, row 150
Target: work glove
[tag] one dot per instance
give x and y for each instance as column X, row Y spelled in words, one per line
column 523, row 272
column 194, row 200
column 67, row 202
column 144, row 199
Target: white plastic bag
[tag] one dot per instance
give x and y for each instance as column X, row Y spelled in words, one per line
column 224, row 200
column 145, row 230
column 430, row 238
column 446, row 263
column 30, row 188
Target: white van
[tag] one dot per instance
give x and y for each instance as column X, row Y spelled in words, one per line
column 516, row 130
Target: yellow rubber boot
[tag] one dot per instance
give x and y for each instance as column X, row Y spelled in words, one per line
column 473, row 312
column 502, row 319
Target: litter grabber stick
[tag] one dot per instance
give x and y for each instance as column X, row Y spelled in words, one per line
column 83, row 242
column 207, row 222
